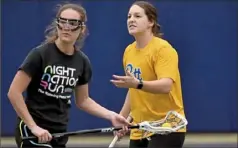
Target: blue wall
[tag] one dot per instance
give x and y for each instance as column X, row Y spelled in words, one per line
column 204, row 34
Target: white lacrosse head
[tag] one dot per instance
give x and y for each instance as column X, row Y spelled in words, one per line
column 176, row 121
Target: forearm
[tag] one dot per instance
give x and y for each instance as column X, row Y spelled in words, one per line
column 93, row 108
column 20, row 107
column 125, row 111
column 162, row 86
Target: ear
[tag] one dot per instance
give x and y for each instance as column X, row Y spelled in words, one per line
column 83, row 30
column 151, row 24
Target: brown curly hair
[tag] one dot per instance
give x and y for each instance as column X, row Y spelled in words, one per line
column 51, row 30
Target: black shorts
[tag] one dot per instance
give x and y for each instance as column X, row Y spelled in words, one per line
column 173, row 140
column 22, row 130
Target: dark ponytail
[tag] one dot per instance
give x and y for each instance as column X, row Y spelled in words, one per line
column 157, row 30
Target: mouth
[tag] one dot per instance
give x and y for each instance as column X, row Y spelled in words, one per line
column 132, row 26
column 66, row 34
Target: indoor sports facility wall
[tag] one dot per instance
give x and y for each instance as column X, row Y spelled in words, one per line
column 203, row 33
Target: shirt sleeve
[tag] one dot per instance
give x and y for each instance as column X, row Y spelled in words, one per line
column 124, row 58
column 32, row 63
column 87, row 73
column 166, row 63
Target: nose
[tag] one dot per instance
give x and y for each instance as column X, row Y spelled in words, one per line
column 131, row 19
column 66, row 26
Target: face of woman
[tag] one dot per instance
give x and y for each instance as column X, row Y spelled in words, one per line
column 137, row 21
column 69, row 26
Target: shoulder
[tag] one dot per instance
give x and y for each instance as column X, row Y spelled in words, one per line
column 81, row 55
column 42, row 48
column 162, row 49
column 160, row 45
column 129, row 47
column 36, row 52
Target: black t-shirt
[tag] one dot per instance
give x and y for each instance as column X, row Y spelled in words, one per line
column 54, row 77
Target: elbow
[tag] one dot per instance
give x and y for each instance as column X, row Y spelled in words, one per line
column 166, row 89
column 167, row 86
column 82, row 103
column 78, row 104
column 11, row 93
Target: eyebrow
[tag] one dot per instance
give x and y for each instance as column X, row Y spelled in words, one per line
column 70, row 19
column 135, row 13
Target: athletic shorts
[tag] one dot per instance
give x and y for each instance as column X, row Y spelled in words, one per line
column 22, row 131
column 173, row 140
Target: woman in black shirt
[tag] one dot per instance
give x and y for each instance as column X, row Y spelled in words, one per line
column 50, row 74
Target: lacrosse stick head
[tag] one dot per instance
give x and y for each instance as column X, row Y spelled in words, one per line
column 173, row 119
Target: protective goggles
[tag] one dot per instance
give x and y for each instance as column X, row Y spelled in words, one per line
column 69, row 24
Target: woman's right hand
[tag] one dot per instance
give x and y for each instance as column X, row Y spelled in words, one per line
column 121, row 133
column 43, row 135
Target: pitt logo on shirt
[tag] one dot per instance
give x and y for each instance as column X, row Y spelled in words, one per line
column 134, row 70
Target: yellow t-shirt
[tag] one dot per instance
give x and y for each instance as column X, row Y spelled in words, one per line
column 157, row 60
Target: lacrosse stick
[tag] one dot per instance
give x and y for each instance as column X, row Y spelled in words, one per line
column 115, row 139
column 176, row 120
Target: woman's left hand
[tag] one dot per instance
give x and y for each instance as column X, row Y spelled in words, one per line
column 128, row 81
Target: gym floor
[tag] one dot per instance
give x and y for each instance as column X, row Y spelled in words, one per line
column 192, row 140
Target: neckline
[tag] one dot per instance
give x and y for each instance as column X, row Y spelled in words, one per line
column 62, row 53
column 144, row 48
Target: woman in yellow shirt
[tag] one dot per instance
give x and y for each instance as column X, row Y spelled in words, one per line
column 152, row 76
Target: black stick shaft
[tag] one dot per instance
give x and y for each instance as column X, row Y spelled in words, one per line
column 97, row 130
